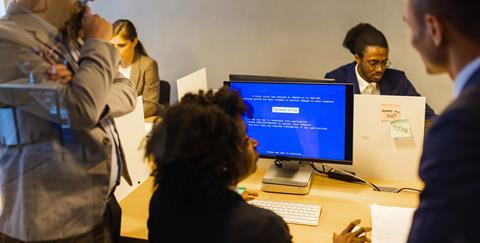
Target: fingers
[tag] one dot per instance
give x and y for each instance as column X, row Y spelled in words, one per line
column 361, row 231
column 249, row 195
column 97, row 27
column 87, row 11
column 351, row 226
column 60, row 73
column 252, row 193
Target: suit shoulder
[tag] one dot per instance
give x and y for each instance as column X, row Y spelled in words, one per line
column 395, row 73
column 147, row 61
column 343, row 70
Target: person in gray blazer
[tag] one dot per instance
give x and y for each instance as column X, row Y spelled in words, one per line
column 60, row 153
column 138, row 66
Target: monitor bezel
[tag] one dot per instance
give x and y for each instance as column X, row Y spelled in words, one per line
column 348, row 121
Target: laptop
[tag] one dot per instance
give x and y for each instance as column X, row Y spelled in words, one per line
column 388, row 136
column 192, row 83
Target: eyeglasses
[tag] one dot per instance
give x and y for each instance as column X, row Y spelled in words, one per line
column 384, row 64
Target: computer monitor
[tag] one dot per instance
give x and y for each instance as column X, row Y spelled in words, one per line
column 299, row 121
column 250, row 77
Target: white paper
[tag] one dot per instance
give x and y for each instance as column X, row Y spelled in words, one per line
column 390, row 224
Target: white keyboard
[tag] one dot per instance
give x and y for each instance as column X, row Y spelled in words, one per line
column 292, row 213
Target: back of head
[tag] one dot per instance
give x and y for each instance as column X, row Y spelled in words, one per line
column 361, row 36
column 197, row 148
column 462, row 15
column 127, row 31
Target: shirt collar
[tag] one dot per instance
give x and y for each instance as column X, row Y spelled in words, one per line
column 465, row 75
column 362, row 83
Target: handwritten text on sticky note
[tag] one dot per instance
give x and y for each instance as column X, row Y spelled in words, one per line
column 390, row 112
column 401, row 128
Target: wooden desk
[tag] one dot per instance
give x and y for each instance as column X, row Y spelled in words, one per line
column 341, row 203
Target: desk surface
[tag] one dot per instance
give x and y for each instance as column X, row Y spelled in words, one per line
column 341, row 203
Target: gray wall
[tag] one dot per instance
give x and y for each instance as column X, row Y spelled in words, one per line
column 300, row 38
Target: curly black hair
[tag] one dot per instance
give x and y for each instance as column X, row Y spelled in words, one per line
column 361, row 36
column 199, row 144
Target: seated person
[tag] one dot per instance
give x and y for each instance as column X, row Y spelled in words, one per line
column 200, row 151
column 138, row 66
column 370, row 73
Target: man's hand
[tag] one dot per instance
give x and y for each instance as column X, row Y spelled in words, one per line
column 347, row 236
column 95, row 26
column 60, row 73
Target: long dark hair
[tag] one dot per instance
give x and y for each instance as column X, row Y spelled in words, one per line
column 199, row 144
column 361, row 36
column 129, row 32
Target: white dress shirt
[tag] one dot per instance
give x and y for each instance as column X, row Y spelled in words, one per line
column 366, row 87
column 465, row 75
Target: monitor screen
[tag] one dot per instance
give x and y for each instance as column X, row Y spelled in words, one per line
column 311, row 121
column 249, row 77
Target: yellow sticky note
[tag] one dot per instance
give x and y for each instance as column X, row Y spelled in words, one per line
column 390, row 112
column 401, row 128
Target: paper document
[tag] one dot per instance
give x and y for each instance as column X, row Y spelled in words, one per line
column 390, row 224
column 390, row 112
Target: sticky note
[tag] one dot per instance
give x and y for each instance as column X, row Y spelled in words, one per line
column 401, row 128
column 390, row 112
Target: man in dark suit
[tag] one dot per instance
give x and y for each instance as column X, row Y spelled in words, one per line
column 370, row 73
column 447, row 36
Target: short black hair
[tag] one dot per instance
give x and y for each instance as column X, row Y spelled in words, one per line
column 199, row 144
column 463, row 15
column 363, row 35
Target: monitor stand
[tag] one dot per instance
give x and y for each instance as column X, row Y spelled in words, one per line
column 293, row 177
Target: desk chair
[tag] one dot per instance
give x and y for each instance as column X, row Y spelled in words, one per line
column 164, row 93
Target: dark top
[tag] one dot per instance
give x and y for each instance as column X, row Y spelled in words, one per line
column 449, row 209
column 393, row 82
column 230, row 219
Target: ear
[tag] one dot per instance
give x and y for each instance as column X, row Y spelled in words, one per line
column 435, row 29
column 358, row 59
column 135, row 42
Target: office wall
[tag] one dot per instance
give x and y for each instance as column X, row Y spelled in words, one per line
column 300, row 38
column 3, row 3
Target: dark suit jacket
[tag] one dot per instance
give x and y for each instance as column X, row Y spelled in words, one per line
column 147, row 82
column 393, row 82
column 229, row 220
column 449, row 209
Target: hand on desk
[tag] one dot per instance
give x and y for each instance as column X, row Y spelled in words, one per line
column 347, row 236
column 247, row 194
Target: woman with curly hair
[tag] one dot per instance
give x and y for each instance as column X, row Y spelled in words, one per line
column 200, row 152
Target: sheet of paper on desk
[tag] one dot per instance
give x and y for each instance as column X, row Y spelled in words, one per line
column 390, row 224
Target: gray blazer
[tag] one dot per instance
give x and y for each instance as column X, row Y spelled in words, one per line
column 55, row 181
column 144, row 75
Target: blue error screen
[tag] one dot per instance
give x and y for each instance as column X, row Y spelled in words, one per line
column 296, row 120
